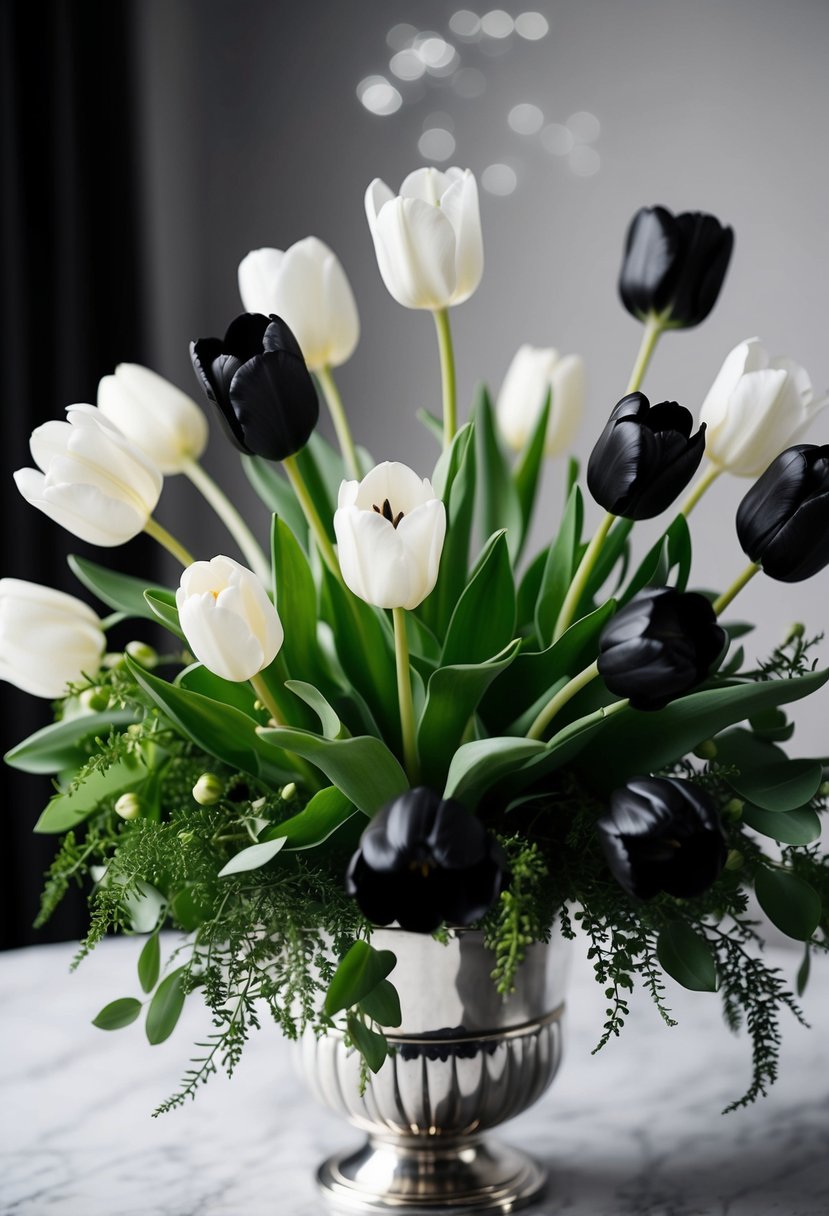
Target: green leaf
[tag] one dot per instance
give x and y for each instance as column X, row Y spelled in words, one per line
column 476, row 766
column 433, row 425
column 500, row 505
column 163, row 607
column 614, row 548
column 296, row 601
column 800, row 826
column 62, row 746
column 149, row 963
column 562, row 561
column 276, row 493
column 527, row 472
column 65, row 811
column 687, row 957
column 363, row 768
column 789, row 902
column 252, row 858
column 359, row 972
column 118, row 1013
column 316, row 474
column 671, row 551
column 239, row 694
column 528, row 589
column 783, row 786
column 332, row 727
column 483, row 622
column 328, row 810
column 371, row 1045
column 454, row 482
column 382, row 1005
column 165, row 1007
column 123, row 592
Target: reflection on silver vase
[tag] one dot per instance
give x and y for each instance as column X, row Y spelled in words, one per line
column 464, row 1060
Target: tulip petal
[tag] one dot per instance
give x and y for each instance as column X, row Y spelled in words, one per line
column 161, row 420
column 460, row 205
column 257, row 275
column 422, row 532
column 756, row 426
column 375, row 564
column 281, row 381
column 428, row 183
column 377, row 195
column 415, row 246
column 220, row 638
column 396, row 482
column 82, row 509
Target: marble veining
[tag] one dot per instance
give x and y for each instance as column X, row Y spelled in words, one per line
column 634, row 1131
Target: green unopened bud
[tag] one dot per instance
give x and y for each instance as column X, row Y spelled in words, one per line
column 734, row 860
column 288, row 791
column 128, row 806
column 142, row 653
column 186, row 836
column 707, row 750
column 795, row 631
column 96, row 700
column 113, row 658
column 733, row 809
column 823, row 789
column 208, row 789
column 135, row 730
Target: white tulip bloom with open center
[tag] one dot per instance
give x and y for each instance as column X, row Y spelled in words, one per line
column 390, row 530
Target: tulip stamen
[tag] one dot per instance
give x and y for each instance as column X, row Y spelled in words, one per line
column 388, row 514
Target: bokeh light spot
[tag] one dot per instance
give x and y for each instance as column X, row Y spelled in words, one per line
column 497, row 23
column 526, row 118
column 436, row 144
column 400, row 36
column 557, row 139
column 465, row 24
column 585, row 126
column 499, row 179
column 584, row 161
column 407, row 64
column 532, row 26
column 379, row 96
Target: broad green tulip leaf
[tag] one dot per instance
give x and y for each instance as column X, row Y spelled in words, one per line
column 371, row 1045
column 562, row 561
column 330, row 465
column 118, row 1014
column 454, row 482
column 483, row 622
column 65, row 745
column 671, row 551
column 163, row 607
column 382, row 1005
column 253, row 857
column 452, row 697
column 500, row 506
column 573, row 470
column 332, row 727
column 478, row 765
column 363, row 768
column 327, row 811
column 527, row 472
column 315, row 471
column 65, row 811
column 239, row 694
column 687, row 957
column 800, row 826
column 296, row 602
column 789, row 902
column 783, row 786
column 165, row 1007
column 359, row 972
column 742, row 749
column 528, row 589
column 275, row 491
column 149, row 963
column 772, row 725
column 221, row 730
column 123, row 592
column 614, row 549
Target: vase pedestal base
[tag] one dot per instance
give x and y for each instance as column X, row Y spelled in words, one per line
column 430, row 1177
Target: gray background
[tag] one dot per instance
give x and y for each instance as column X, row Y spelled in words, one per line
column 253, row 135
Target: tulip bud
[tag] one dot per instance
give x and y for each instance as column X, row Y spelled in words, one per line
column 674, row 265
column 227, row 619
column 48, row 640
column 644, row 457
column 531, row 375
column 257, row 379
column 161, row 420
column 288, row 791
column 390, row 529
column 755, row 408
column 94, row 482
column 660, row 646
column 307, row 286
column 95, row 700
column 208, row 790
column 128, row 806
column 662, row 834
column 734, row 860
column 733, row 809
column 707, row 750
column 428, row 239
column 142, row 653
column 424, row 860
column 783, row 521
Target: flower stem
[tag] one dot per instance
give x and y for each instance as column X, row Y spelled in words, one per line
column 571, row 602
column 727, row 596
column 154, row 529
column 338, row 416
column 404, row 695
column 267, row 698
column 447, row 375
column 311, row 514
column 708, row 478
column 561, row 698
column 230, row 517
column 652, row 332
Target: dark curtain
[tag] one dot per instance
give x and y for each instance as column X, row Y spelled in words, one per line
column 71, row 309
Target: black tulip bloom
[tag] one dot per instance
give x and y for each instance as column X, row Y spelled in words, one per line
column 783, row 521
column 662, row 834
column 674, row 265
column 257, row 379
column 660, row 646
column 423, row 861
column 644, row 457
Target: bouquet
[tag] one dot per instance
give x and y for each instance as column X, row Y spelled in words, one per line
column 397, row 715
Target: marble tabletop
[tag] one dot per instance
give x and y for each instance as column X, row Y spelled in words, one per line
column 634, row 1131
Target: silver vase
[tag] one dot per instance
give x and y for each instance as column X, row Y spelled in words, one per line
column 463, row 1061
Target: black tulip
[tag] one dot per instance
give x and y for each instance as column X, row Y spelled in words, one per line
column 660, row 646
column 424, row 860
column 644, row 457
column 783, row 521
column 662, row 834
column 257, row 379
column 674, row 265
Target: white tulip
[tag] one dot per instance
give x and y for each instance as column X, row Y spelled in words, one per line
column 306, row 286
column 161, row 420
column 756, row 408
column 48, row 640
column 390, row 529
column 533, row 373
column 428, row 238
column 93, row 481
column 229, row 623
